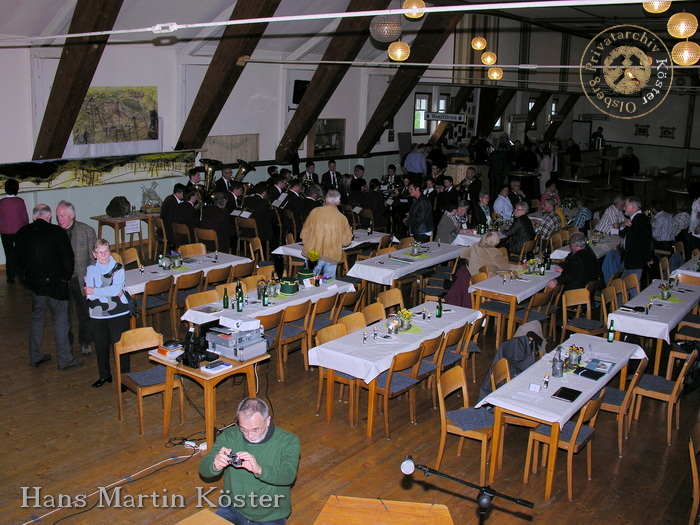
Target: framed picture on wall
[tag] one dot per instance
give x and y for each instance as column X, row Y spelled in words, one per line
column 667, row 133
column 641, row 129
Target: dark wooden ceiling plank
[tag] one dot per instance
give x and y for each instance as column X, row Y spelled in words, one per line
column 76, row 68
column 432, row 36
column 536, row 109
column 554, row 126
column 491, row 108
column 347, row 42
column 224, row 71
column 456, row 105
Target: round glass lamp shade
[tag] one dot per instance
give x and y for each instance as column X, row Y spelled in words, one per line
column 489, row 58
column 682, row 25
column 385, row 28
column 478, row 43
column 685, row 53
column 399, row 51
column 656, row 7
column 495, row 73
column 417, row 6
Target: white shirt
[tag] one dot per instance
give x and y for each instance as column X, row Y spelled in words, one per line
column 503, row 207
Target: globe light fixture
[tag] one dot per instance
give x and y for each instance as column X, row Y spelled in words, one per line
column 399, row 51
column 685, row 53
column 682, row 25
column 656, row 7
column 495, row 73
column 385, row 28
column 489, row 58
column 416, row 6
column 478, row 43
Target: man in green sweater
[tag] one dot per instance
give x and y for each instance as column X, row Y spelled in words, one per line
column 257, row 486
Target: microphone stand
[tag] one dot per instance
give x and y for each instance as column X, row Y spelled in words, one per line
column 486, row 493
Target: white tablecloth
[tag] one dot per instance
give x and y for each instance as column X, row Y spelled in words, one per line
column 367, row 360
column 609, row 244
column 359, row 238
column 522, row 288
column 255, row 307
column 517, row 396
column 663, row 316
column 467, row 239
column 135, row 282
column 688, row 268
column 382, row 270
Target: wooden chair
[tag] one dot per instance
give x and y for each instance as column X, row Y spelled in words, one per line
column 217, row 276
column 555, row 241
column 185, row 285
column 608, row 303
column 536, row 309
column 207, row 237
column 665, row 389
column 430, row 364
column 324, row 335
column 354, row 322
column 578, row 299
column 620, row 290
column 266, row 271
column 154, row 300
column 247, row 231
column 192, row 250
column 292, row 263
column 632, row 282
column 388, row 249
column 620, row 402
column 242, row 270
column 500, row 307
column 117, row 257
column 694, row 448
column 500, row 373
column 373, row 313
column 528, row 246
column 391, row 299
column 564, row 234
column 161, row 237
column 181, row 234
column 248, row 284
column 450, row 350
column 145, row 382
column 694, row 252
column 129, row 257
column 289, row 222
column 395, row 382
column 270, row 324
column 256, row 252
column 200, row 299
column 573, row 438
column 688, row 279
column 293, row 328
column 472, row 423
column 321, row 315
column 351, row 302
column 678, row 247
column 406, row 240
column 664, row 269
column 487, row 271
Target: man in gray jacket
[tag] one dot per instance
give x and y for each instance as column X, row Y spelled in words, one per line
column 82, row 238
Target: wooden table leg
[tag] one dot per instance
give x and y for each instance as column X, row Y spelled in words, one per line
column 657, row 359
column 330, row 379
column 551, row 461
column 511, row 318
column 370, row 406
column 168, row 399
column 495, row 442
column 209, row 411
column 250, row 378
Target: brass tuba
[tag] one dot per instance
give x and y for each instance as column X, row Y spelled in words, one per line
column 243, row 169
column 210, row 166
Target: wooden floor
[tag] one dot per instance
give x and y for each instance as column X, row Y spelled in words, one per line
column 65, row 437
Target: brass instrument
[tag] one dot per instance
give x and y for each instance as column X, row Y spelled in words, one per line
column 243, row 169
column 206, row 197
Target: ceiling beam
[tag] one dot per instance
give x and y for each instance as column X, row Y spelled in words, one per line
column 432, row 36
column 554, row 126
column 79, row 60
column 537, row 107
column 347, row 42
column 224, row 71
column 456, row 105
column 491, row 108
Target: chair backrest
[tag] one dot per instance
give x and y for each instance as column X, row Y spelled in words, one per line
column 366, row 213
column 191, row 250
column 564, row 234
column 137, row 339
column 500, row 372
column 384, row 242
column 688, row 279
column 555, row 241
column 636, row 378
column 289, row 239
column 117, row 257
column 431, row 346
column 406, row 240
column 353, row 322
column 323, row 305
column 130, row 256
column 620, row 289
column 388, row 249
column 616, row 275
column 270, row 321
column 249, row 283
column 539, row 301
column 485, row 269
column 678, row 247
column 587, row 416
column 297, row 311
column 186, row 282
column 247, row 228
column 160, row 229
column 181, row 231
column 450, row 381
column 687, row 365
column 694, row 252
column 243, row 270
column 631, row 281
column 572, row 229
column 405, row 360
column 256, row 250
column 478, row 277
column 198, row 299
column 694, row 448
column 217, row 276
column 579, row 297
column 608, row 303
column 329, row 333
column 157, row 287
column 664, row 269
column 391, row 298
column 351, row 300
column 374, row 313
column 207, row 237
column 528, row 246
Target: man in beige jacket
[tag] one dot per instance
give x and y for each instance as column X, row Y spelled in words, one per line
column 326, row 231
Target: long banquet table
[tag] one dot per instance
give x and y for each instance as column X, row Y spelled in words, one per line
column 518, row 398
column 608, row 244
column 662, row 318
column 385, row 269
column 135, row 281
column 688, row 268
column 367, row 360
column 359, row 238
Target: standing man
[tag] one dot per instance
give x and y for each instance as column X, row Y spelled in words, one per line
column 187, row 213
column 326, row 231
column 309, row 176
column 330, row 179
column 45, row 265
column 420, row 217
column 261, row 213
column 259, row 487
column 224, row 184
column 629, row 167
column 13, row 215
column 82, row 239
column 636, row 232
column 415, row 164
column 167, row 211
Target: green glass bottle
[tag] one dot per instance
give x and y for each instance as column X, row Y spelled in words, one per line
column 225, row 298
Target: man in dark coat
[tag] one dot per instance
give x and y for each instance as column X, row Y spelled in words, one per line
column 187, row 213
column 579, row 268
column 521, row 230
column 420, row 217
column 638, row 242
column 224, row 184
column 167, row 209
column 257, row 204
column 45, row 263
column 215, row 217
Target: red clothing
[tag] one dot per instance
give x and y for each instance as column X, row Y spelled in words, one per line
column 13, row 214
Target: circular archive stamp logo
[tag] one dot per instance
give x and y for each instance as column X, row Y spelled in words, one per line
column 626, row 71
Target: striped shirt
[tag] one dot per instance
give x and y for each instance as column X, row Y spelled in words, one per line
column 610, row 216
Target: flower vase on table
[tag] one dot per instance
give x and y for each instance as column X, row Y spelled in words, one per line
column 405, row 317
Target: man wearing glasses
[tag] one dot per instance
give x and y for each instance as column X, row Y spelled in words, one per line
column 258, row 479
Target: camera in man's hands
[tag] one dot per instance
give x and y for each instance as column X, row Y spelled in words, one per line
column 234, row 460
